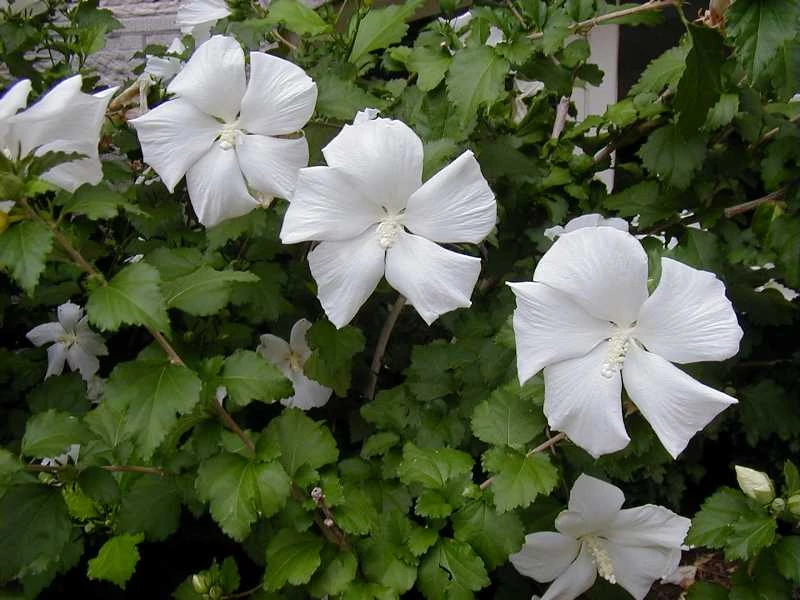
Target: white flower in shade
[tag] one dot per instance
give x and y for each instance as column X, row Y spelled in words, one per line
column 524, row 89
column 72, row 341
column 63, row 120
column 223, row 133
column 632, row 547
column 72, row 453
column 587, row 320
column 590, row 220
column 167, row 66
column 290, row 359
column 197, row 17
column 461, row 22
column 374, row 216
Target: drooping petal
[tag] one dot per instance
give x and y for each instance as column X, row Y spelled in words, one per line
column 276, row 351
column 433, row 279
column 549, row 327
column 81, row 360
column 89, row 340
column 602, row 268
column 327, row 205
column 636, row 568
column 297, row 339
column 174, row 136
column 455, row 205
column 648, row 525
column 73, row 174
column 384, row 155
column 578, row 578
column 280, row 96
column 213, row 78
column 688, row 318
column 347, row 272
column 198, row 12
column 270, row 164
column 45, row 333
column 580, row 401
column 545, row 555
column 56, row 355
column 68, row 315
column 593, row 505
column 308, row 393
column 676, row 405
column 217, row 188
column 15, row 99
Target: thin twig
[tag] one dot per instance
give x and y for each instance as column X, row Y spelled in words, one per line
column 166, row 347
column 541, row 447
column 744, row 207
column 380, row 347
column 326, row 524
column 590, row 23
column 283, row 40
column 562, row 110
column 245, row 593
column 513, row 9
column 770, row 134
column 112, row 468
column 227, row 420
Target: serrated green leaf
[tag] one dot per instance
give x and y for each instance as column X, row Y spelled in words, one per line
column 430, row 64
column 99, row 484
column 116, row 560
column 303, row 442
column 476, row 79
column 292, row 557
column 701, row 83
column 240, row 491
column 132, row 297
column 247, row 377
column 332, row 352
column 704, row 590
column 723, row 112
column 152, row 506
column 66, row 393
column 432, row 467
column 644, row 199
column 379, row 444
column 341, row 99
column 451, row 570
column 51, row 432
column 672, row 156
column 422, row 538
column 494, row 536
column 507, row 419
column 98, row 202
column 205, row 291
column 382, row 27
column 751, row 533
column 432, row 505
column 335, row 576
column 518, row 479
column 23, row 251
column 787, row 556
column 153, row 393
column 713, row 524
column 296, row 17
column 37, row 165
column 664, row 71
column 385, row 558
column 791, row 479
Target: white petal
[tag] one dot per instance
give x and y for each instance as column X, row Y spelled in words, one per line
column 593, row 505
column 213, row 78
column 73, row 174
column 455, row 205
column 217, row 188
column 15, row 99
column 81, row 360
column 347, row 273
column 584, row 404
column 648, row 525
column 198, row 12
column 276, row 351
column 384, row 155
column 174, row 136
column 545, row 555
column 280, row 97
column 595, row 220
column 297, row 339
column 45, row 333
column 676, row 405
column 56, row 355
column 327, row 205
column 688, row 318
column 270, row 164
column 308, row 393
column 433, row 279
column 549, row 327
column 636, row 568
column 68, row 315
column 6, row 206
column 603, row 269
column 89, row 340
column 578, row 578
column 163, row 67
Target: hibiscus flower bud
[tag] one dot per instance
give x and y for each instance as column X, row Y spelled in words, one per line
column 755, row 484
column 778, row 506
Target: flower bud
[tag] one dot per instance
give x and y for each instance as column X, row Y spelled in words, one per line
column 755, row 484
column 777, row 507
column 200, row 584
column 793, row 505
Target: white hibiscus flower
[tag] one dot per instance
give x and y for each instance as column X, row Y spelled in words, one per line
column 590, row 220
column 197, row 17
column 223, row 132
column 63, row 120
column 632, row 547
column 374, row 216
column 72, row 452
column 73, row 341
column 290, row 359
column 587, row 320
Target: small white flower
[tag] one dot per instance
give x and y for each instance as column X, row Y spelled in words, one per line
column 290, row 359
column 374, row 216
column 71, row 454
column 72, row 341
column 63, row 120
column 524, row 89
column 590, row 220
column 632, row 547
column 461, row 22
column 587, row 320
column 788, row 293
column 197, row 17
column 223, row 133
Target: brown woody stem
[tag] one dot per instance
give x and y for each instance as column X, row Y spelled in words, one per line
column 744, row 207
column 380, row 347
column 112, row 468
column 540, row 448
column 594, row 22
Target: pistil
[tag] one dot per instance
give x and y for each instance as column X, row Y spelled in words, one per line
column 601, row 558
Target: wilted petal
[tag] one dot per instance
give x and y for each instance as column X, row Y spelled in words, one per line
column 327, row 205
column 280, row 97
column 384, row 155
column 602, row 269
column 676, row 405
column 347, row 273
column 213, row 78
column 81, row 360
column 297, row 339
column 549, row 327
column 308, row 393
column 593, row 504
column 15, row 99
column 68, row 315
column 455, row 205
column 73, row 174
column 584, row 404
column 56, row 355
column 270, row 164
column 174, row 136
column 545, row 555
column 688, row 318
column 276, row 351
column 433, row 279
column 648, row 525
column 636, row 568
column 45, row 334
column 578, row 578
column 217, row 188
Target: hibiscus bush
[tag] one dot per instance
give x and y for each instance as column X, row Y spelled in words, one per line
column 338, row 301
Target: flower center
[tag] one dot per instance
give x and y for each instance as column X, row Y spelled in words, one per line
column 68, row 338
column 264, row 200
column 230, row 135
column 618, row 347
column 600, row 558
column 295, row 363
column 388, row 230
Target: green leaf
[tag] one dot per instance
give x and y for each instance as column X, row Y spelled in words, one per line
column 99, row 484
column 247, row 377
column 205, row 291
column 297, row 17
column 723, row 112
column 38, row 165
column 713, row 524
column 98, row 202
column 476, row 78
column 672, row 156
column 385, row 557
column 664, row 71
column 494, row 536
column 704, row 590
column 335, row 577
column 132, row 297
column 451, row 570
column 382, row 27
column 432, row 467
column 116, row 560
column 644, row 199
column 303, row 442
column 153, row 393
column 240, row 491
column 791, row 479
column 66, row 393
column 341, row 99
column 292, row 557
column 518, row 479
column 332, row 354
column 701, row 83
column 50, row 433
column 507, row 419
column 432, row 505
column 787, row 556
column 23, row 251
column 759, row 28
column 750, row 534
column 430, row 64
column 152, row 506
